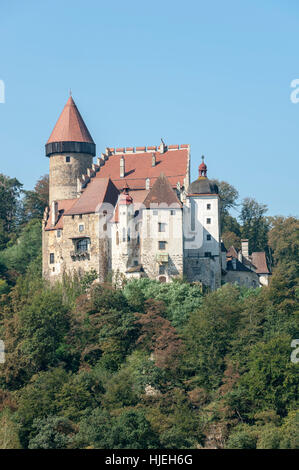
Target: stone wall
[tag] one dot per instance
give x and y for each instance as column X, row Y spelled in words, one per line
column 64, row 248
column 63, row 175
column 242, row 278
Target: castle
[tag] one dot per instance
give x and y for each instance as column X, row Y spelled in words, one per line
column 133, row 213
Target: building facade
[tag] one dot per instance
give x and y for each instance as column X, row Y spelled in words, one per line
column 131, row 214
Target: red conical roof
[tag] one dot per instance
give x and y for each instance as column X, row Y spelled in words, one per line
column 70, row 126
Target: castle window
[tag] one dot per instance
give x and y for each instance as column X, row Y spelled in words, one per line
column 155, row 212
column 162, row 227
column 172, row 212
column 58, row 233
column 124, row 235
column 52, row 258
column 81, row 228
column 207, row 254
column 208, row 206
column 67, row 159
column 162, row 269
column 117, row 238
column 162, row 245
column 82, row 245
column 208, row 221
column 209, row 237
column 129, row 234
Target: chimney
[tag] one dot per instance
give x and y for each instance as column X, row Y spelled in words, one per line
column 244, row 248
column 54, row 212
column 122, row 166
column 153, row 159
column 162, row 147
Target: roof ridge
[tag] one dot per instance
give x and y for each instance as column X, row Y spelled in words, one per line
column 143, row 149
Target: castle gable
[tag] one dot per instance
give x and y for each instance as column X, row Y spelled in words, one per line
column 162, row 193
column 97, row 192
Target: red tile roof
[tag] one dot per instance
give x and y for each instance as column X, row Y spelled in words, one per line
column 232, row 252
column 260, row 262
column 97, row 192
column 63, row 206
column 138, row 167
column 162, row 193
column 70, row 126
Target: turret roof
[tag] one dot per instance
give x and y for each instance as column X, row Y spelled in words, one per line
column 70, row 126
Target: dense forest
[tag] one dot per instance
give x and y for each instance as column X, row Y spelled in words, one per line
column 146, row 365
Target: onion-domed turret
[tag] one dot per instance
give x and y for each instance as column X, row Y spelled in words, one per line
column 125, row 198
column 203, row 185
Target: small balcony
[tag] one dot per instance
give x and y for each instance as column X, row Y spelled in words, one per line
column 162, row 258
column 79, row 255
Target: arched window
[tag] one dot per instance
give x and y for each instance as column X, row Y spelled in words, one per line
column 117, row 238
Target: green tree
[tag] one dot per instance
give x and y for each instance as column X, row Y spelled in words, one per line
column 10, row 189
column 53, row 432
column 208, row 335
column 228, row 200
column 284, row 239
column 35, row 202
column 270, row 381
column 25, row 249
column 231, row 239
column 129, row 430
column 255, row 225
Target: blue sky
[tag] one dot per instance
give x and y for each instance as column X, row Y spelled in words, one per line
column 212, row 74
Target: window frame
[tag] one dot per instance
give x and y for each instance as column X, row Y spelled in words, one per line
column 162, row 242
column 86, row 242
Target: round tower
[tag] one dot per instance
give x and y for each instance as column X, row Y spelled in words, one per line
column 71, row 150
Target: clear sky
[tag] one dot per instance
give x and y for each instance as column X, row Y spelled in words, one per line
column 214, row 74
